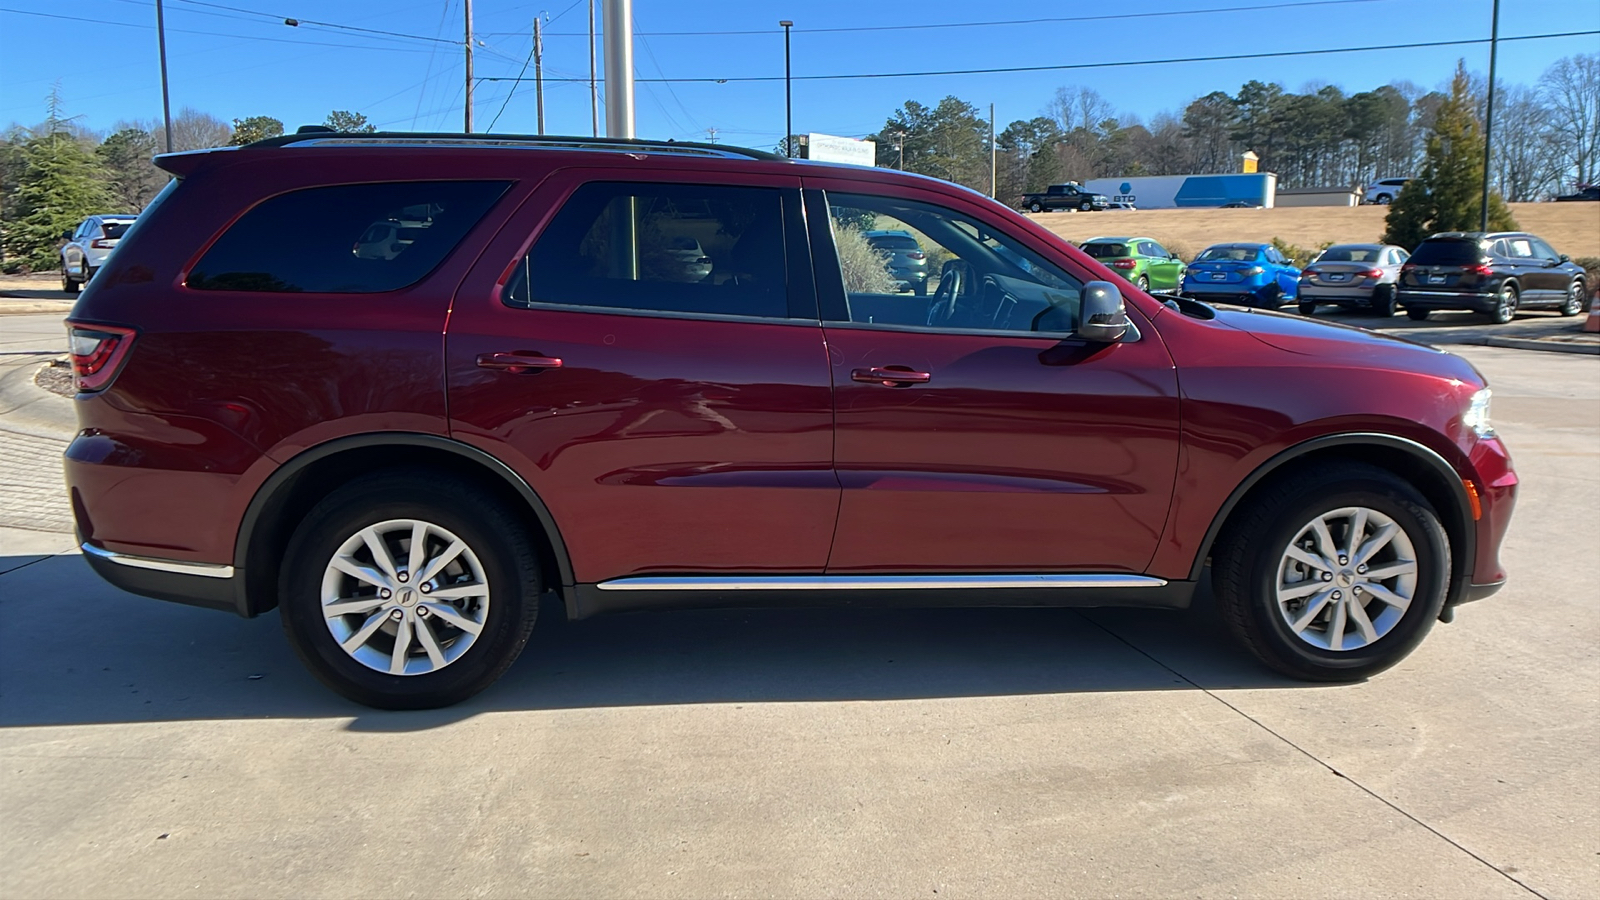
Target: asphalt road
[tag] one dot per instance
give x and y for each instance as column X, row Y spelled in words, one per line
column 153, row 750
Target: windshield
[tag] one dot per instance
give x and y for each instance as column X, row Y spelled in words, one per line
column 1349, row 254
column 1106, row 251
column 1236, row 254
column 1447, row 253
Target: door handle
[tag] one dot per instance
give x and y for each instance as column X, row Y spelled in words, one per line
column 890, row 376
column 517, row 363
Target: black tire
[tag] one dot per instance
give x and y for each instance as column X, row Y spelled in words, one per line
column 1383, row 301
column 1384, row 199
column 1505, row 307
column 1271, row 298
column 1572, row 304
column 496, row 536
column 1308, row 307
column 69, row 284
column 1417, row 315
column 1037, row 206
column 1247, row 555
column 1087, row 206
column 1143, row 284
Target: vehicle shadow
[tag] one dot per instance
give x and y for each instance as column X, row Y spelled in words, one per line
column 128, row 659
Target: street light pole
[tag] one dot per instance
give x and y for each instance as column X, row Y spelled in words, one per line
column 1488, row 119
column 788, row 94
column 161, row 40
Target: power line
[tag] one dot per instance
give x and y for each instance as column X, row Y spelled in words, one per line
column 1041, row 21
column 299, row 21
column 532, row 49
column 247, row 37
column 1099, row 65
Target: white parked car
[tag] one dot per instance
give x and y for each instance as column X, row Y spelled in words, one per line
column 1383, row 191
column 87, row 247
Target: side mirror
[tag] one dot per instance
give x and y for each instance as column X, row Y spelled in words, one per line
column 1565, row 258
column 66, row 235
column 1104, row 318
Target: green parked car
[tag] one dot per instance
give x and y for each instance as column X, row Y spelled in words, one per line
column 1140, row 260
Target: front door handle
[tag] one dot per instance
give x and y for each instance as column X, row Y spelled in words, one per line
column 517, row 363
column 890, row 376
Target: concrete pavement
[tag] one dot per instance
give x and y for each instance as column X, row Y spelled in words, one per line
column 150, row 749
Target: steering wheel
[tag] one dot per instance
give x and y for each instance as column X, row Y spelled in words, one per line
column 955, row 282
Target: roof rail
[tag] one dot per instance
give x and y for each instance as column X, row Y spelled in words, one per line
column 535, row 141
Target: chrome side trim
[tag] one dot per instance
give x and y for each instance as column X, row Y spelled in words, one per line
column 203, row 570
column 871, row 582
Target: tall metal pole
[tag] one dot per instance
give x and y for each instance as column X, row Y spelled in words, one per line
column 1488, row 119
column 468, row 5
column 618, row 18
column 166, row 103
column 594, row 90
column 788, row 94
column 538, row 70
column 991, row 150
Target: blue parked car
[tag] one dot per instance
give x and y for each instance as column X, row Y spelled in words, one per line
column 1248, row 274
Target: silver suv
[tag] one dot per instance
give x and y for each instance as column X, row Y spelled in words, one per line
column 87, row 247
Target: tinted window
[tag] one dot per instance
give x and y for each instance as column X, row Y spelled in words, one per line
column 1447, row 253
column 889, row 242
column 1234, row 254
column 977, row 279
column 350, row 239
column 1151, row 248
column 115, row 229
column 661, row 248
column 1106, row 251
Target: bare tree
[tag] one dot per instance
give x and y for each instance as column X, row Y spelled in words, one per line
column 1075, row 108
column 195, row 130
column 1527, row 159
column 1571, row 87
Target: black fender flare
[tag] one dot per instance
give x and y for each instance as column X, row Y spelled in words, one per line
column 1461, row 515
column 285, row 473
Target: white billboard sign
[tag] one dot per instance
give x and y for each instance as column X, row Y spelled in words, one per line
column 832, row 148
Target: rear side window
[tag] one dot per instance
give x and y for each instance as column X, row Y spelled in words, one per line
column 1447, row 253
column 115, row 229
column 676, row 248
column 348, row 239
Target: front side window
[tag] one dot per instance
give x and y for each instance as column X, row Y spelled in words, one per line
column 969, row 277
column 674, row 248
column 1541, row 250
column 345, row 239
column 1151, row 248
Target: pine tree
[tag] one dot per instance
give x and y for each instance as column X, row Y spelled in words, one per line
column 1448, row 195
column 347, row 122
column 61, row 184
column 254, row 128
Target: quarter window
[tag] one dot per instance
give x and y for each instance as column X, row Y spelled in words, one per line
column 964, row 276
column 347, row 239
column 697, row 249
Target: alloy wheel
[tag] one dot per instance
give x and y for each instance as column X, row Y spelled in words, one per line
column 405, row 597
column 1346, row 579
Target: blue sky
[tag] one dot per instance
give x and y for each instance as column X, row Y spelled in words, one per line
column 234, row 64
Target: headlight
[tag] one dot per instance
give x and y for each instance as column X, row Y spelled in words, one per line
column 1476, row 416
column 1253, row 270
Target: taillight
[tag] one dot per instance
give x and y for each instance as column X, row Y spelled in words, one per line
column 102, row 243
column 1408, row 267
column 97, row 353
column 1372, row 273
column 1125, row 264
column 916, row 254
column 1480, row 269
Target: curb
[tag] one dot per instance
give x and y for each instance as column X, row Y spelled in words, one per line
column 26, row 408
column 1546, row 346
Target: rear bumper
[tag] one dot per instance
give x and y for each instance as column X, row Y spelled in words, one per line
column 1347, row 296
column 192, row 584
column 1446, row 300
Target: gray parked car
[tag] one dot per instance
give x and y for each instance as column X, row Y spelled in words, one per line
column 87, row 247
column 1354, row 276
column 907, row 263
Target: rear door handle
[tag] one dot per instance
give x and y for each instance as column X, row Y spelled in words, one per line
column 890, row 376
column 517, row 362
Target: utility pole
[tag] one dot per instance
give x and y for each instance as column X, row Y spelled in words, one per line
column 161, row 40
column 900, row 148
column 1488, row 123
column 594, row 90
column 619, row 68
column 538, row 69
column 468, row 5
column 788, row 94
column 991, row 150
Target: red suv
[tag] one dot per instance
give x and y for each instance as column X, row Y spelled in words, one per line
column 402, row 386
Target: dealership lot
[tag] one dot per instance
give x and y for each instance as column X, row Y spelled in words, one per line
column 149, row 748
